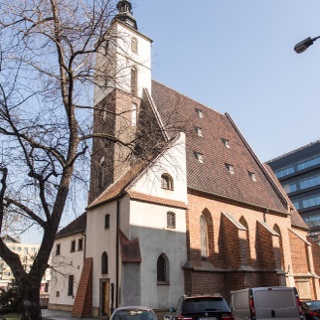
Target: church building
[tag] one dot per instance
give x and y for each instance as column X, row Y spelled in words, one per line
column 180, row 204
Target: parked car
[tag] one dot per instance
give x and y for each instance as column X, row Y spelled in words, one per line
column 266, row 303
column 202, row 307
column 133, row 313
column 311, row 309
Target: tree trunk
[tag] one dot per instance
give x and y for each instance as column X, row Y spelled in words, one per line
column 31, row 309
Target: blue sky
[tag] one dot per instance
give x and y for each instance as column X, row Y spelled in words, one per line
column 237, row 56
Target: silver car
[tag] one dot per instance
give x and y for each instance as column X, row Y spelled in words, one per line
column 133, row 313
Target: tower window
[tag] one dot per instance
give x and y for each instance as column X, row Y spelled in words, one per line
column 102, row 174
column 134, row 81
column 134, row 45
column 58, row 247
column 134, row 114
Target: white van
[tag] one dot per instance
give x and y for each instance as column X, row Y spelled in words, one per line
column 267, row 303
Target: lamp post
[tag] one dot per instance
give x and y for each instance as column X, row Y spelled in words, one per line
column 304, row 44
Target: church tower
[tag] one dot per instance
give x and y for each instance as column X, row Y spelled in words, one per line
column 123, row 72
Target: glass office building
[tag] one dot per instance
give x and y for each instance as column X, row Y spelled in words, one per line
column 299, row 174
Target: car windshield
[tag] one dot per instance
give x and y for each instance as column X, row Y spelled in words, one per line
column 133, row 314
column 313, row 304
column 203, row 305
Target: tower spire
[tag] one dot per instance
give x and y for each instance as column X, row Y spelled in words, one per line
column 125, row 14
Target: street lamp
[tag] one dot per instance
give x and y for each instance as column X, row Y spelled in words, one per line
column 304, row 44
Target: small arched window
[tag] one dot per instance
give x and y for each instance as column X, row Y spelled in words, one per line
column 134, row 45
column 104, row 263
column 162, row 269
column 166, row 182
column 134, row 81
column 204, row 237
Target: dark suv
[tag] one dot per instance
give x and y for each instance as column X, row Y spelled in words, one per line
column 201, row 307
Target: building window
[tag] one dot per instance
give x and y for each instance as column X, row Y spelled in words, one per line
column 162, row 269
column 102, row 175
column 200, row 113
column 57, row 294
column 70, row 285
column 204, row 237
column 252, row 175
column 166, row 181
column 80, row 244
column 134, row 114
column 107, row 221
column 226, row 142
column 73, row 246
column 307, row 163
column 230, row 168
column 198, row 131
column 104, row 114
column 134, row 81
column 171, row 220
column 284, row 171
column 104, row 263
column 199, row 156
column 58, row 249
column 134, row 45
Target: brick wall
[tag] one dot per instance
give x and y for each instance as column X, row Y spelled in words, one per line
column 299, row 254
column 240, row 255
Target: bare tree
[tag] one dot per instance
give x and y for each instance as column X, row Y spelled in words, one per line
column 47, row 58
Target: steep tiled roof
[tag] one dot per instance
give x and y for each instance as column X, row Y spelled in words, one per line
column 114, row 190
column 76, row 226
column 212, row 176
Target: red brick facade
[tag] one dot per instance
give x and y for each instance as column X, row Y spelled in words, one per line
column 245, row 248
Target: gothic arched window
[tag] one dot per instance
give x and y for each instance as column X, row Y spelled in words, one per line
column 244, row 243
column 162, row 269
column 104, row 263
column 204, row 237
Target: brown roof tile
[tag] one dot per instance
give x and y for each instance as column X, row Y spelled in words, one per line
column 212, row 175
column 76, row 226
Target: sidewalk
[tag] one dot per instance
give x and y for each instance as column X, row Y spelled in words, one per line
column 60, row 315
